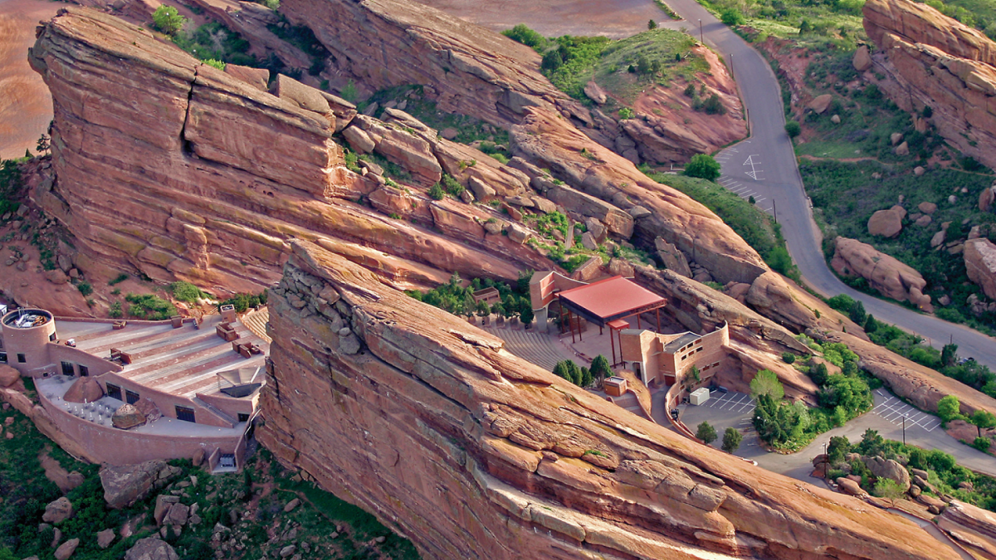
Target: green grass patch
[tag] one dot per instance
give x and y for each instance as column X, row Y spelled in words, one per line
column 150, row 307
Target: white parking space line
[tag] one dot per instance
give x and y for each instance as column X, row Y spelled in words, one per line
column 894, row 411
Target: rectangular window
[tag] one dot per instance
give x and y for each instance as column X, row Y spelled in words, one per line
column 114, row 391
column 67, row 369
column 3, row 357
column 185, row 413
column 243, row 417
column 131, row 397
column 52, row 337
column 84, row 371
column 21, row 359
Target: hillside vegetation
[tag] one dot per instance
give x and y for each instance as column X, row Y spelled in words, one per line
column 623, row 67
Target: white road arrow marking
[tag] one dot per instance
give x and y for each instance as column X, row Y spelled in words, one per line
column 752, row 173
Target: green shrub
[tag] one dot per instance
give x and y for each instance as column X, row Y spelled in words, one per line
column 115, row 311
column 948, row 408
column 841, row 302
column 85, row 288
column 215, row 63
column 168, row 20
column 732, row 17
column 731, row 440
column 626, row 113
column 453, row 187
column 243, row 301
column 706, row 433
column 436, row 192
column 982, row 444
column 703, row 166
column 148, row 306
column 118, row 279
column 185, row 291
column 523, row 34
column 788, row 357
column 793, row 129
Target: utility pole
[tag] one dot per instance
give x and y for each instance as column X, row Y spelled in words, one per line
column 700, row 32
column 826, row 461
column 774, row 207
column 732, row 75
column 904, row 430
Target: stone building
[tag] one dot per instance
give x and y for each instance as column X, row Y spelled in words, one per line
column 192, row 386
column 668, row 358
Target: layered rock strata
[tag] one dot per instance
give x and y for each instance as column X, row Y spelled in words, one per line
column 182, row 171
column 939, row 62
column 474, row 71
column 473, row 453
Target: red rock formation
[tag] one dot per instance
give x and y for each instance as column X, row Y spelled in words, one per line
column 938, row 62
column 473, row 453
column 980, row 263
column 180, row 170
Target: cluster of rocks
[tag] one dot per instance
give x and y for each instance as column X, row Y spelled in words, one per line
column 912, row 485
column 884, row 273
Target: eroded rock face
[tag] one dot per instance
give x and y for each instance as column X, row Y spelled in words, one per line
column 183, row 171
column 474, row 453
column 938, row 62
column 980, row 263
column 885, row 274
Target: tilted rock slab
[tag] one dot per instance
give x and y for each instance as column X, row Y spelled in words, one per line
column 980, row 264
column 177, row 169
column 885, row 274
column 471, row 452
column 940, row 62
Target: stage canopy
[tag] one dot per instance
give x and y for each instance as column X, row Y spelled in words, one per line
column 608, row 300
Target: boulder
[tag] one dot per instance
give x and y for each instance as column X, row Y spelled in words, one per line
column 126, row 484
column 896, row 138
column 58, row 511
column 938, row 239
column 127, row 417
column 449, row 133
column 164, row 502
column 177, row 516
column 820, row 103
column 544, row 205
column 518, row 233
column 927, row 207
column 887, row 223
column 885, row 274
column 835, row 119
column 923, row 221
column 986, row 198
column 980, row 264
column 851, row 487
column 862, row 59
column 105, row 538
column 84, row 389
column 621, row 267
column 903, row 149
column 8, row 376
column 56, row 276
column 672, row 258
column 481, row 190
column 888, row 468
column 151, row 548
column 588, row 241
column 773, row 297
column 66, row 549
column 358, row 139
column 595, row 92
column 919, row 170
column 596, row 228
column 289, row 507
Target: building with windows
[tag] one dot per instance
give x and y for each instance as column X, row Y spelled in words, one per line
column 669, row 358
column 193, row 385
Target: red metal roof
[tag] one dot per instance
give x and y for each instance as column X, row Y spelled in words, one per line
column 612, row 297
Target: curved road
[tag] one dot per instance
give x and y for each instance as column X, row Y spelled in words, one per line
column 765, row 167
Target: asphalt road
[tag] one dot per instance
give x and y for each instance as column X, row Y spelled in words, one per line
column 765, row 167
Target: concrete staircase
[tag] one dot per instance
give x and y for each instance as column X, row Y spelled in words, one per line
column 256, row 322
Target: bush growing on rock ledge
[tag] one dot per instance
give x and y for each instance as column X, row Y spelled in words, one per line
column 168, row 20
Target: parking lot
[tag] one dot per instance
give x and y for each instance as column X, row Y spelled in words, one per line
column 722, row 411
column 894, row 410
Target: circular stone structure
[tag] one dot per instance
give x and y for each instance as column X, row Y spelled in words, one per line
column 26, row 334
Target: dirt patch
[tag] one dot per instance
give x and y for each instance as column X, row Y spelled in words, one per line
column 963, row 431
column 25, row 103
column 558, row 17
